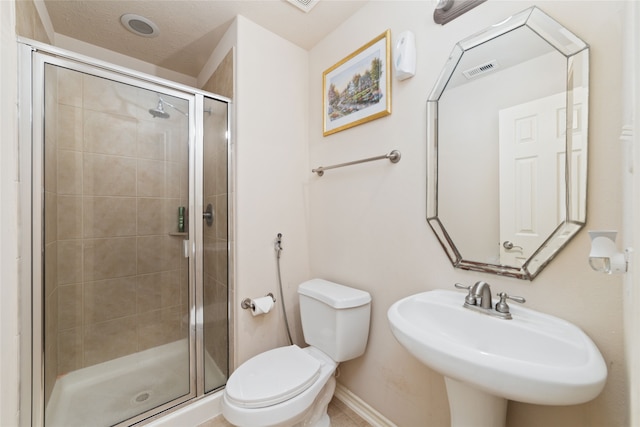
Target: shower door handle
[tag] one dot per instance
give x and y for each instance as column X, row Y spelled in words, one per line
column 185, row 248
column 208, row 215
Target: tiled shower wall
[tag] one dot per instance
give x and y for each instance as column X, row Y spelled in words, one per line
column 121, row 283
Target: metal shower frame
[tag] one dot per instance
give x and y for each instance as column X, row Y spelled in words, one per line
column 32, row 58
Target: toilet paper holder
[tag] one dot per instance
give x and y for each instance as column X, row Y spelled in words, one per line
column 248, row 302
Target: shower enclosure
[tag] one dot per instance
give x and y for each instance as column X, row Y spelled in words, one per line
column 129, row 293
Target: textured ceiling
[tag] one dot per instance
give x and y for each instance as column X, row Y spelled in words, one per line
column 190, row 29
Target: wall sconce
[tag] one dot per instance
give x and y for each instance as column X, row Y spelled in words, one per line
column 448, row 10
column 604, row 256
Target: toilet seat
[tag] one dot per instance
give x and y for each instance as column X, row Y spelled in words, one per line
column 272, row 377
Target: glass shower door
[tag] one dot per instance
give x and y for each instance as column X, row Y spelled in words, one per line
column 116, row 288
column 215, row 246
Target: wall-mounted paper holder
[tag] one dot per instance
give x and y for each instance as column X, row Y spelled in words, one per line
column 247, row 303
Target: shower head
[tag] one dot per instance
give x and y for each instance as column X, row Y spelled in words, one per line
column 159, row 110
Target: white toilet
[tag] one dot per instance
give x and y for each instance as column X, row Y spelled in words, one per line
column 290, row 386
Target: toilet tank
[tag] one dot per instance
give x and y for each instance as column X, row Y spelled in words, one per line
column 335, row 318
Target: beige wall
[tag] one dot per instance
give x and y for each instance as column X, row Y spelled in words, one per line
column 28, row 22
column 270, row 168
column 368, row 229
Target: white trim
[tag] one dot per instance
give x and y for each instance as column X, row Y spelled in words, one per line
column 631, row 201
column 360, row 407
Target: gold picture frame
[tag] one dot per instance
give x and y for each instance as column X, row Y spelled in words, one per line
column 357, row 89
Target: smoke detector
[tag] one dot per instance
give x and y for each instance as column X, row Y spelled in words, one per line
column 139, row 25
column 304, row 5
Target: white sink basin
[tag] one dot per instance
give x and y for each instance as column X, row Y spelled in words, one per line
column 533, row 358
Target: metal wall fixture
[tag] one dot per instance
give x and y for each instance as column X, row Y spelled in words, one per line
column 248, row 303
column 393, row 156
column 208, row 215
column 448, row 10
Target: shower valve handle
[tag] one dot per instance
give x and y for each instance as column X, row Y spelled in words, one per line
column 208, row 215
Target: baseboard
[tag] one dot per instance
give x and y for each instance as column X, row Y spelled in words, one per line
column 360, row 407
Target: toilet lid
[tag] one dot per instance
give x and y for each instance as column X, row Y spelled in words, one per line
column 272, row 377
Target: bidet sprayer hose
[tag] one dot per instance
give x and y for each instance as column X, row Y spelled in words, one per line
column 278, row 248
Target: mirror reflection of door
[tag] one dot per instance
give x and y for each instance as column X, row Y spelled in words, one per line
column 532, row 172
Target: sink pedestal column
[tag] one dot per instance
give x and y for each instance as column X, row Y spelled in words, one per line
column 472, row 407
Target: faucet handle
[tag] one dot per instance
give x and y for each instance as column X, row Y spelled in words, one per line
column 502, row 306
column 470, row 298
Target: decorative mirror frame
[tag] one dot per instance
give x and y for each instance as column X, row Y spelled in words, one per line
column 576, row 53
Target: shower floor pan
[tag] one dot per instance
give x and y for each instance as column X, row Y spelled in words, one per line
column 111, row 392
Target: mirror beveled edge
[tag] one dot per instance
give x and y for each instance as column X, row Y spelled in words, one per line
column 575, row 219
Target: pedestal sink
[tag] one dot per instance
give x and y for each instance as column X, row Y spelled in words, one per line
column 532, row 358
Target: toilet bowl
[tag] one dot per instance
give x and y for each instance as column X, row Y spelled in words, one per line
column 284, row 393
column 292, row 386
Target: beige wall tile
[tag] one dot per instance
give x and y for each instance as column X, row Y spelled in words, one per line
column 109, row 299
column 69, row 350
column 177, row 145
column 69, row 261
column 152, row 217
column 69, row 172
column 25, row 11
column 158, row 290
column 221, row 227
column 109, row 216
column 158, row 253
column 109, row 97
column 69, row 306
column 50, row 217
column 51, row 132
column 50, row 164
column 70, row 127
column 106, row 175
column 109, row 258
column 106, row 133
column 152, row 140
column 50, row 268
column 69, row 217
column 109, row 340
column 51, row 314
column 151, row 178
column 70, row 87
column 161, row 327
column 174, row 183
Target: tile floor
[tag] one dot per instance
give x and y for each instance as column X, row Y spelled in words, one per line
column 340, row 414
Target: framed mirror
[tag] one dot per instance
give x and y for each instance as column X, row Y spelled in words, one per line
column 507, row 146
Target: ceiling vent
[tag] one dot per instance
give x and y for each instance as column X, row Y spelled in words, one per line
column 479, row 70
column 304, row 5
column 139, row 25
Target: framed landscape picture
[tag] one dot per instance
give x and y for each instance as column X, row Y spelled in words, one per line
column 357, row 89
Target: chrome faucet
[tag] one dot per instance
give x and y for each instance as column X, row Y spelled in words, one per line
column 479, row 299
column 481, row 291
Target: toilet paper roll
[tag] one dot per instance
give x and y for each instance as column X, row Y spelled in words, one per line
column 262, row 305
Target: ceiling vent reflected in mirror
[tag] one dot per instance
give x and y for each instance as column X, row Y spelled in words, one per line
column 479, row 70
column 304, row 5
